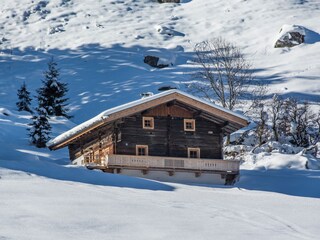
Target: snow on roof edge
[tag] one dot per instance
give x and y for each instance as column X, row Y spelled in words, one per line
column 105, row 114
column 214, row 105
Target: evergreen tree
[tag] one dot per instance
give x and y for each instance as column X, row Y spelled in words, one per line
column 51, row 96
column 40, row 129
column 24, row 99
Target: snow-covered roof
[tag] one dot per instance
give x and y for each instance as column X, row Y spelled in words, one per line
column 103, row 116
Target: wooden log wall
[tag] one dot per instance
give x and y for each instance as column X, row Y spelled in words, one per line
column 168, row 137
column 94, row 146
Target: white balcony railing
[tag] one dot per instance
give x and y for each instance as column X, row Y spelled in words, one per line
column 170, row 163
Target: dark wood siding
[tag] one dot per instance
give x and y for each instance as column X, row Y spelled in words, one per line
column 168, row 137
column 96, row 143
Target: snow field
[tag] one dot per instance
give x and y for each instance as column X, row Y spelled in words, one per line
column 99, row 47
column 67, row 209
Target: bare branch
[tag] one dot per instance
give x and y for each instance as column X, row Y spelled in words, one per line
column 223, row 74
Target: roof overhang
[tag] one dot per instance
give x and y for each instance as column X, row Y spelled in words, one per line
column 230, row 121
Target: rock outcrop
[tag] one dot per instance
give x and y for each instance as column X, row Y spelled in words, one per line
column 290, row 36
column 154, row 62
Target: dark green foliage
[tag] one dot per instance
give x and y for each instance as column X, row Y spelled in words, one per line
column 40, row 129
column 24, row 101
column 51, row 96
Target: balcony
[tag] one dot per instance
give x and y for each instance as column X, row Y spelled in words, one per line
column 167, row 164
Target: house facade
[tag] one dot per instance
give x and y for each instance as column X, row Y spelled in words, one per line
column 170, row 136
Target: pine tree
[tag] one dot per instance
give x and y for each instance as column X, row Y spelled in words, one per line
column 51, row 96
column 24, row 99
column 40, row 129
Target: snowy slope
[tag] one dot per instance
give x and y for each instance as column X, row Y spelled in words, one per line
column 85, row 204
column 101, row 44
column 99, row 47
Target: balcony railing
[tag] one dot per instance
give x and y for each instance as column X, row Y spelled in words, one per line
column 145, row 162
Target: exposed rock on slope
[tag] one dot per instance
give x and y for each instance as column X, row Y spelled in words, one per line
column 154, row 62
column 290, row 36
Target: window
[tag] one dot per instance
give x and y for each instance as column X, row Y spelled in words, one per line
column 189, row 124
column 142, row 150
column 148, row 122
column 193, row 152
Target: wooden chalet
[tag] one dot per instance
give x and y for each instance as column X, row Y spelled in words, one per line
column 170, row 136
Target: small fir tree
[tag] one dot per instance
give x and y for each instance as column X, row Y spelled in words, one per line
column 24, row 101
column 40, row 129
column 51, row 96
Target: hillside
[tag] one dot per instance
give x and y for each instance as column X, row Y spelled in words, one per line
column 99, row 47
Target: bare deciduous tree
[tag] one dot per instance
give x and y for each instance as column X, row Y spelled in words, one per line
column 262, row 126
column 223, row 75
column 299, row 123
column 277, row 111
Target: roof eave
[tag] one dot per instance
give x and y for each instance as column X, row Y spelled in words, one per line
column 135, row 108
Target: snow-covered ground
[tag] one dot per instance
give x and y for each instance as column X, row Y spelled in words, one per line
column 41, row 200
column 100, row 47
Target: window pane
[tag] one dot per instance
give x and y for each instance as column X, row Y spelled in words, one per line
column 141, row 151
column 147, row 123
column 189, row 124
column 193, row 154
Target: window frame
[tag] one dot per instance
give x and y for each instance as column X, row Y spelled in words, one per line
column 194, row 149
column 151, row 119
column 146, row 147
column 193, row 123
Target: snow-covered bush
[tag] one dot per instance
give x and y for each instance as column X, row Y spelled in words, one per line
column 282, row 126
column 235, row 152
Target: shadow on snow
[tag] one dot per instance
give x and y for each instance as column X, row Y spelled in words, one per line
column 81, row 175
column 300, row 183
column 100, row 78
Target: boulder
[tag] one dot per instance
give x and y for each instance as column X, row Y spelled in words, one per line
column 166, row 88
column 290, row 36
column 153, row 62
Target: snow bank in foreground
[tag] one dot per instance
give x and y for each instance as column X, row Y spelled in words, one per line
column 81, row 175
column 52, row 202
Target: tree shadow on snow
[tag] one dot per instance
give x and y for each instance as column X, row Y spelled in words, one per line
column 103, row 77
column 300, row 183
column 98, row 77
column 82, row 175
